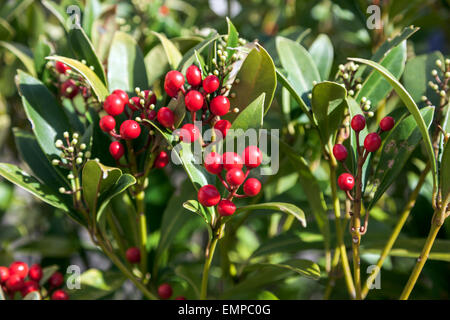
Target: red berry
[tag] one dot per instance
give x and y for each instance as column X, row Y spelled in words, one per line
column 346, row 182
column 340, row 152
column 20, row 268
column 122, row 94
column 14, row 283
column 372, row 142
column 208, row 195
column 60, row 295
column 252, row 187
column 165, row 291
column 135, row 103
column 114, row 105
column 130, row 129
column 232, row 160
column 133, row 255
column 358, row 122
column 211, row 84
column 35, row 272
column 170, row 92
column 194, row 75
column 226, row 208
column 193, row 100
column 252, row 157
column 165, row 117
column 116, row 150
column 387, row 123
column 61, row 67
column 173, row 82
column 220, row 105
column 189, row 133
column 149, row 99
column 180, row 298
column 151, row 115
column 162, row 160
column 56, row 280
column 107, row 123
column 4, row 274
column 29, row 286
column 222, row 126
column 213, row 163
column 69, row 89
column 235, row 177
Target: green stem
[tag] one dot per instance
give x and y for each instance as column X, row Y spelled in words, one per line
column 209, row 256
column 331, row 277
column 142, row 223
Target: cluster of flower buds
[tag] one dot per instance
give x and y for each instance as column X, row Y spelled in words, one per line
column 19, row 278
column 71, row 84
column 440, row 84
column 347, row 74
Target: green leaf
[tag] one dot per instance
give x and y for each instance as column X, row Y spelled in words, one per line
column 397, row 149
column 6, row 30
column 322, row 52
column 47, row 272
column 302, row 267
column 174, row 56
column 33, row 295
column 58, row 12
column 22, row 53
column 94, row 81
column 233, row 38
column 196, row 207
column 287, row 208
column 51, row 246
column 96, row 284
column 267, row 295
column 190, row 56
column 41, row 51
column 91, row 12
column 412, row 107
column 156, row 63
column 445, row 173
column 257, row 75
column 126, row 67
column 252, row 116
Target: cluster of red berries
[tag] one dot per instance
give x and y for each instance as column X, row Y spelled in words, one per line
column 23, row 279
column 70, row 87
column 372, row 143
column 233, row 164
column 165, row 291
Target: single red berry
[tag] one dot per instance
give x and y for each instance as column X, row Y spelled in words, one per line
column 165, row 291
column 252, row 157
column 164, row 10
column 232, row 160
column 122, row 94
column 56, row 280
column 208, row 195
column 14, row 283
column 372, row 142
column 358, row 122
column 189, row 133
column 235, row 177
column 29, row 286
column 226, row 207
column 134, row 104
column 173, row 82
column 61, row 67
column 114, row 105
column 69, row 89
column 107, row 123
column 252, row 187
column 222, row 126
column 116, row 150
column 4, row 274
column 165, row 117
column 346, row 181
column 20, row 268
column 180, row 298
column 162, row 160
column 170, row 91
column 387, row 123
column 35, row 272
column 340, row 152
column 194, row 75
column 133, row 255
column 60, row 295
column 220, row 105
column 193, row 100
column 213, row 163
column 211, row 84
column 130, row 129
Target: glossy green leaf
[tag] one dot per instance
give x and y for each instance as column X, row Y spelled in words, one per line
column 445, row 173
column 267, row 295
column 251, row 116
column 96, row 284
column 156, row 63
column 322, row 53
column 197, row 208
column 173, row 54
column 33, row 295
column 287, row 208
column 91, row 12
column 233, row 38
column 41, row 51
column 22, row 53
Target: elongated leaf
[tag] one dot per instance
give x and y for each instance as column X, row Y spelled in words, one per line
column 91, row 11
column 251, row 116
column 41, row 51
column 233, row 38
column 305, row 268
column 173, row 54
column 22, row 53
column 445, row 173
column 276, row 206
column 322, row 53
column 6, row 30
column 196, row 207
column 156, row 63
column 96, row 284
column 59, row 13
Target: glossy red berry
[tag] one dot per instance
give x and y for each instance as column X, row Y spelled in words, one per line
column 60, row 295
column 130, row 129
column 14, row 283
column 252, row 187
column 180, row 298
column 358, row 122
column 346, row 181
column 69, row 89
column 170, row 92
column 235, row 177
column 222, row 126
column 4, row 274
column 173, row 82
column 20, row 268
column 193, row 100
column 114, row 105
column 29, row 286
column 211, row 84
column 208, row 195
column 194, row 75
column 122, row 94
column 35, row 272
column 387, row 123
column 116, row 150
column 232, row 160
column 165, row 291
column 226, row 208
column 189, row 133
column 220, row 105
column 134, row 104
column 56, row 280
column 372, row 142
column 61, row 67
column 213, row 163
column 133, row 255
column 162, row 160
column 252, row 157
column 107, row 123
column 340, row 152
column 165, row 117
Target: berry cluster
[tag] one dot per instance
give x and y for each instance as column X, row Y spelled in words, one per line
column 70, row 84
column 165, row 291
column 19, row 278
